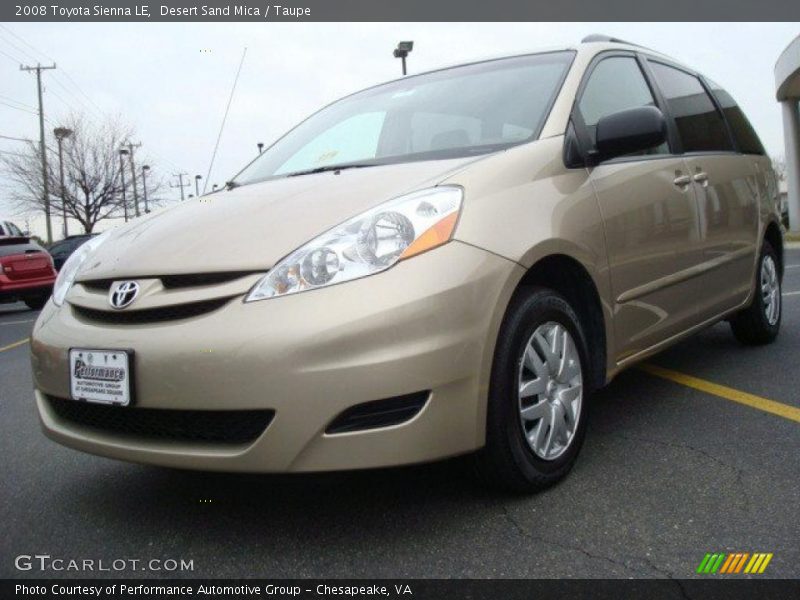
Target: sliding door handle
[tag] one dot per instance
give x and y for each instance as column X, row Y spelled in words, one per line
column 682, row 182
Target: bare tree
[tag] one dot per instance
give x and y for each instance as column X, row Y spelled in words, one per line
column 779, row 166
column 93, row 184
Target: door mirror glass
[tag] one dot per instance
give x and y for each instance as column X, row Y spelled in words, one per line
column 630, row 131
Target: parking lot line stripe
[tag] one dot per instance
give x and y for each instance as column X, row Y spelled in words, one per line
column 776, row 408
column 14, row 345
column 791, row 293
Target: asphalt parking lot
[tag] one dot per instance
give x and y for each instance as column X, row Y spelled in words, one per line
column 668, row 473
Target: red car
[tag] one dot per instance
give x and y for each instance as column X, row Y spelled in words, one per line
column 26, row 272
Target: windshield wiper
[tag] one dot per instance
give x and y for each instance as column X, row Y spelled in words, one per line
column 332, row 168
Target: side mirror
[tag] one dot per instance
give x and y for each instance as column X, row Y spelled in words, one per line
column 629, row 131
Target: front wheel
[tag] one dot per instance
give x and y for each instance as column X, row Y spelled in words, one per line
column 760, row 322
column 536, row 418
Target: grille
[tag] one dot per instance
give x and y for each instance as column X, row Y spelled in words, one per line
column 150, row 315
column 214, row 426
column 175, row 281
column 379, row 413
column 198, row 279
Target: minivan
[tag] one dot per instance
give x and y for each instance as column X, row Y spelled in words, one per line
column 445, row 264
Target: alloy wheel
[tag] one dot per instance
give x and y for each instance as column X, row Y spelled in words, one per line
column 770, row 289
column 550, row 390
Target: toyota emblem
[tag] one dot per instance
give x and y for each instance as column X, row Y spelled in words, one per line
column 123, row 294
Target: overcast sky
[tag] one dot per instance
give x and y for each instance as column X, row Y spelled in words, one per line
column 171, row 81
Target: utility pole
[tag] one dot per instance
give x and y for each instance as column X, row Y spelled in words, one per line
column 130, row 146
column 45, row 191
column 197, row 179
column 61, row 134
column 122, row 153
column 145, row 169
column 180, row 183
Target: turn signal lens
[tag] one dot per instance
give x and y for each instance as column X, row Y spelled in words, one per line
column 434, row 236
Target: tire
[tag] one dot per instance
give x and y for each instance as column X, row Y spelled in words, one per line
column 509, row 460
column 36, row 302
column 760, row 322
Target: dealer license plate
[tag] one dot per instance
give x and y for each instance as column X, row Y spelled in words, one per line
column 101, row 376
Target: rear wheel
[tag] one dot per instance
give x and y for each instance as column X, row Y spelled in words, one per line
column 537, row 399
column 36, row 302
column 760, row 322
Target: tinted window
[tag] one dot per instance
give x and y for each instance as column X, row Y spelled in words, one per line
column 2, row 229
column 700, row 126
column 746, row 137
column 615, row 84
column 13, row 229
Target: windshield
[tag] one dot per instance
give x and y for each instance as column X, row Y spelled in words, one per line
column 463, row 111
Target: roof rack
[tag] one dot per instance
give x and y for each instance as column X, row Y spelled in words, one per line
column 599, row 37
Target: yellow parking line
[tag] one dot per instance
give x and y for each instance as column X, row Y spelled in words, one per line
column 776, row 408
column 14, row 345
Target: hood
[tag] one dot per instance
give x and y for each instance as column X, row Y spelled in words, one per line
column 253, row 227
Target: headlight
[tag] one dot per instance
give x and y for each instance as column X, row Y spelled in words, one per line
column 367, row 244
column 70, row 269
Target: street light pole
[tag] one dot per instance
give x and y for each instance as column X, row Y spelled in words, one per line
column 197, row 179
column 122, row 153
column 145, row 169
column 260, row 147
column 61, row 134
column 401, row 52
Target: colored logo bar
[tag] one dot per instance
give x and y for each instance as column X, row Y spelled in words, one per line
column 734, row 563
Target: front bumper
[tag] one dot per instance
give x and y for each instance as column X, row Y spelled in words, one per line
column 426, row 324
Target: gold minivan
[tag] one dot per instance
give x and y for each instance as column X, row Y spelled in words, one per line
column 445, row 264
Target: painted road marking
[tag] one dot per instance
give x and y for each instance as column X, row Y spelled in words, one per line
column 16, row 322
column 14, row 345
column 792, row 267
column 776, row 408
column 791, row 293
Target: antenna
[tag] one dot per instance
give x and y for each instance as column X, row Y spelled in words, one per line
column 224, row 118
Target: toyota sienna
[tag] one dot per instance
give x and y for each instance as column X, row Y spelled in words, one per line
column 446, row 264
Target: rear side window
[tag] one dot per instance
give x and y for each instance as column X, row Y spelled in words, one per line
column 13, row 229
column 700, row 125
column 746, row 137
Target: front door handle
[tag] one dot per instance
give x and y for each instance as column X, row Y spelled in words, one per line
column 701, row 177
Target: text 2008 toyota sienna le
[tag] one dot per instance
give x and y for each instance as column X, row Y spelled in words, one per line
column 445, row 264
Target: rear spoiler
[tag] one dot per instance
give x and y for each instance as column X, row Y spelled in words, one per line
column 9, row 240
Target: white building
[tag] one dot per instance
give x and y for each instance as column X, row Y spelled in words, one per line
column 787, row 82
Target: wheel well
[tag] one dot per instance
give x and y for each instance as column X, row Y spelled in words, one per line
column 775, row 238
column 569, row 278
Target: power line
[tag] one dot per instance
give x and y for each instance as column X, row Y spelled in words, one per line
column 16, row 61
column 224, row 117
column 13, row 153
column 16, row 139
column 32, row 112
column 7, row 99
